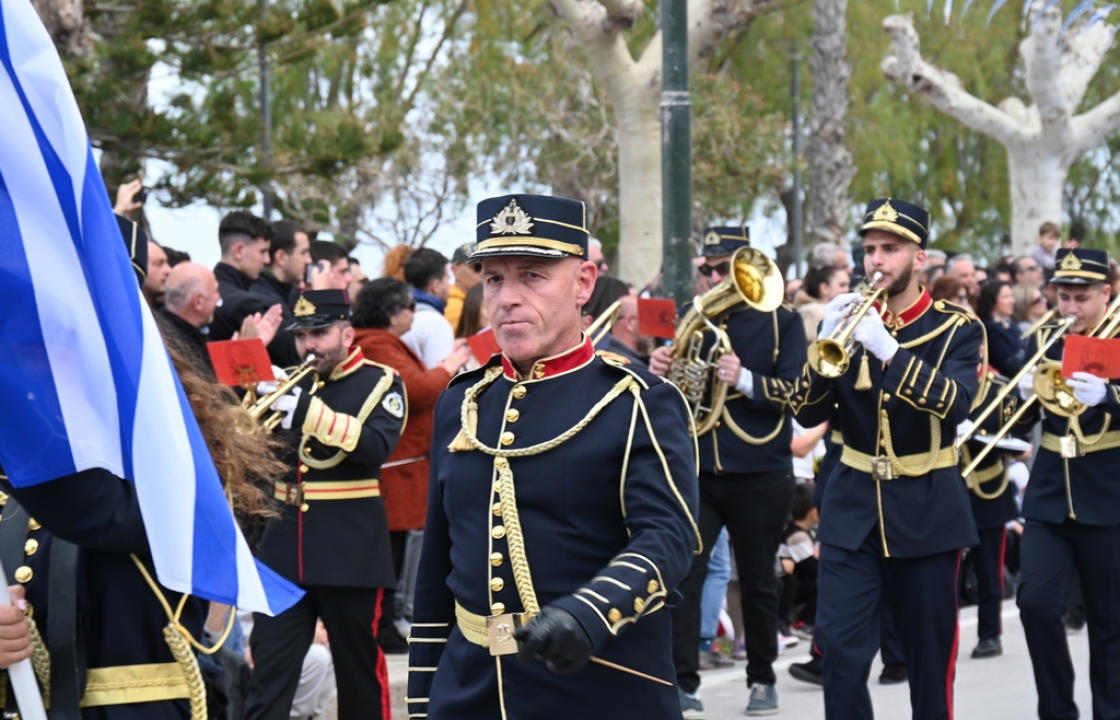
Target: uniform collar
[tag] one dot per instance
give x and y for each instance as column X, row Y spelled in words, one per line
column 352, row 362
column 907, row 316
column 548, row 367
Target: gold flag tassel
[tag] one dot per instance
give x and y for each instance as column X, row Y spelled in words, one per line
column 462, row 443
column 863, row 377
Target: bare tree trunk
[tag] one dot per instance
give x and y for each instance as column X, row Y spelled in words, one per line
column 1037, row 179
column 830, row 163
column 639, row 182
column 66, row 23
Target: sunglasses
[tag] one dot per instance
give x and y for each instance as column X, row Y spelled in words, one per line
column 1038, row 300
column 722, row 268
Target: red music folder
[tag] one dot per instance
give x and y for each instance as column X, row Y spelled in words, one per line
column 241, row 363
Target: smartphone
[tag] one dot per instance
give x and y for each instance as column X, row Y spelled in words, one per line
column 312, row 268
column 140, row 196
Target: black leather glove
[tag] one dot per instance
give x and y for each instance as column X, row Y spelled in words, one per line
column 557, row 639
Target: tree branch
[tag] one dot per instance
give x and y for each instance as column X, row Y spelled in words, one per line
column 904, row 65
column 1041, row 52
column 1082, row 56
column 1092, row 128
column 614, row 66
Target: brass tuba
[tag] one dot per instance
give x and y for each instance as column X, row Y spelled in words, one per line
column 754, row 280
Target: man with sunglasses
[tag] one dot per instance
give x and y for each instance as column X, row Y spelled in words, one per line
column 746, row 474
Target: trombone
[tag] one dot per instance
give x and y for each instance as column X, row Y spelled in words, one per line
column 258, row 408
column 830, row 356
column 1046, row 317
column 602, row 325
column 1036, row 360
column 1052, row 390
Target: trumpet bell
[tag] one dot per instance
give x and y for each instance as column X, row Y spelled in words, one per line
column 829, row 358
column 1054, row 392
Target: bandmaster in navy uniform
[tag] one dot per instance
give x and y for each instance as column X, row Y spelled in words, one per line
column 746, row 466
column 562, row 498
column 332, row 536
column 895, row 514
column 1072, row 508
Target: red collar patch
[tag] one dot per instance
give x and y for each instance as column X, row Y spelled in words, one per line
column 548, row 367
column 907, row 316
column 351, row 363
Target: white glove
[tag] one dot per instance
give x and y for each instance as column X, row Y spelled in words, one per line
column 265, row 387
column 287, row 405
column 1088, row 388
column 964, row 428
column 1026, row 385
column 873, row 335
column 837, row 311
column 746, row 383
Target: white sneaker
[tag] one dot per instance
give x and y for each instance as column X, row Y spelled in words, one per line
column 786, row 641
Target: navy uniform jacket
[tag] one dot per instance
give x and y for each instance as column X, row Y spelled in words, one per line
column 607, row 521
column 341, row 542
column 910, row 414
column 1089, row 492
column 119, row 618
column 991, row 476
column 772, row 346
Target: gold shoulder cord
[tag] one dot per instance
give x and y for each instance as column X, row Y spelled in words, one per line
column 180, row 642
column 467, row 439
column 896, row 462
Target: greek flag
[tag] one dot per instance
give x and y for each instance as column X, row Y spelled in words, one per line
column 86, row 381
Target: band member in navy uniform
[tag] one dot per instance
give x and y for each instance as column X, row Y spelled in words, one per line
column 746, row 472
column 332, row 536
column 895, row 514
column 562, row 502
column 993, row 505
column 1072, row 509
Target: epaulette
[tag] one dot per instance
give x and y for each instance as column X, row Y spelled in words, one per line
column 476, row 374
column 612, row 357
column 622, row 364
column 387, row 368
column 949, row 307
column 788, row 306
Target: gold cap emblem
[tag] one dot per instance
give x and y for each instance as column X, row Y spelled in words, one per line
column 512, row 220
column 712, row 238
column 1071, row 262
column 885, row 212
column 303, row 308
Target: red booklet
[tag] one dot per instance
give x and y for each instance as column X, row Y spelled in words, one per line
column 483, row 344
column 1097, row 356
column 241, row 363
column 657, row 317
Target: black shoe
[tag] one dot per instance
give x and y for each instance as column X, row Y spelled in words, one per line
column 392, row 642
column 893, row 673
column 986, row 648
column 1073, row 624
column 809, row 672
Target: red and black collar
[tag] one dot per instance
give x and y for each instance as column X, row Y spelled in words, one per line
column 907, row 316
column 352, row 362
column 548, row 367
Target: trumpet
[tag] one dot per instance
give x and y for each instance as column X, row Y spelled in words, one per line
column 258, row 408
column 830, row 356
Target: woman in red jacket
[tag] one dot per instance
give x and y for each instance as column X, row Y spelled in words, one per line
column 382, row 313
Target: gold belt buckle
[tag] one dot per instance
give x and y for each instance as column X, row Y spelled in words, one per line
column 1069, row 446
column 881, row 468
column 499, row 632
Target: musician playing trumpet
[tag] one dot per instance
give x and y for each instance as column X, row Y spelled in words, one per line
column 746, row 474
column 1072, row 501
column 895, row 513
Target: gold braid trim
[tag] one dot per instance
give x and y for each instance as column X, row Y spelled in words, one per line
column 467, row 439
column 896, row 462
column 40, row 658
column 188, row 663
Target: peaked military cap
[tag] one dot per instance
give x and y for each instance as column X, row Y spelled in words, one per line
column 892, row 215
column 540, row 225
column 136, row 243
column 724, row 240
column 319, row 308
column 1081, row 266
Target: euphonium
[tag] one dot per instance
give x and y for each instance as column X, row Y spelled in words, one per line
column 830, row 356
column 755, row 280
column 260, row 407
column 1052, row 390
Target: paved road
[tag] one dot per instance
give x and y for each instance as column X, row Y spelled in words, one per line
column 995, row 689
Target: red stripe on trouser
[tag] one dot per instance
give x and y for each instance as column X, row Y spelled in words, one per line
column 382, row 668
column 951, row 671
column 999, row 571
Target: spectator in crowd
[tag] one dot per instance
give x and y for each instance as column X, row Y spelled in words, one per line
column 466, row 277
column 996, row 308
column 357, row 276
column 935, row 259
column 278, row 284
column 821, row 285
column 1030, row 305
column 982, row 276
column 829, row 255
column 607, row 291
column 245, row 240
column 712, row 597
column 431, row 336
column 383, row 312
column 192, row 298
column 624, row 337
column 1049, row 235
column 1075, row 235
column 1026, row 270
column 798, row 558
column 174, row 257
column 792, row 288
column 473, row 318
column 1004, row 269
column 330, row 268
column 962, row 268
column 393, row 265
column 155, row 285
column 595, row 255
column 950, row 288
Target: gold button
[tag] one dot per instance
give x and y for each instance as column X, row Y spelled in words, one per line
column 639, row 604
column 23, row 574
column 512, row 415
column 507, row 438
column 501, row 462
column 31, row 546
column 33, row 524
column 496, row 559
column 519, row 391
column 496, row 508
column 498, row 532
column 307, row 450
column 886, row 397
column 304, row 468
column 651, row 587
column 496, row 584
column 614, row 615
column 497, row 608
column 304, row 507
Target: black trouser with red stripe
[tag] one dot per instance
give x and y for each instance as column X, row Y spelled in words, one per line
column 922, row 596
column 280, row 643
column 988, row 564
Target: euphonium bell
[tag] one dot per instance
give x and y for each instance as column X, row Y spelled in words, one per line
column 830, row 356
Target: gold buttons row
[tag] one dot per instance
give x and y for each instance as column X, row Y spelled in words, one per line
column 519, row 391
column 508, row 438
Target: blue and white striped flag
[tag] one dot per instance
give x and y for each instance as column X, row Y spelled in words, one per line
column 86, row 381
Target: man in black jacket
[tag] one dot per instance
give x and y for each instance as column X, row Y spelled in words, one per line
column 244, row 238
column 278, row 284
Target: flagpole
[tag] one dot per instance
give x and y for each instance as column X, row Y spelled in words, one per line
column 22, row 677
